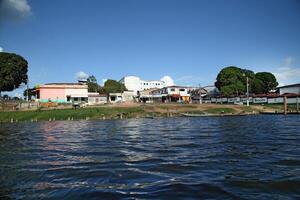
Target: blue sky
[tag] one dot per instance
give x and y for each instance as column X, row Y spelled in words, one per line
column 187, row 40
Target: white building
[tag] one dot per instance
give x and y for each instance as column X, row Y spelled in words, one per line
column 95, row 98
column 172, row 94
column 295, row 89
column 135, row 84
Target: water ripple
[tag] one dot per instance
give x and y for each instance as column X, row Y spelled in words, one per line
column 253, row 157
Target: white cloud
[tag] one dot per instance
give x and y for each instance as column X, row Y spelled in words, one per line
column 287, row 73
column 81, row 76
column 14, row 9
column 168, row 80
column 1, row 49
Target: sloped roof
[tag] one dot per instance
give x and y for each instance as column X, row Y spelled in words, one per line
column 292, row 85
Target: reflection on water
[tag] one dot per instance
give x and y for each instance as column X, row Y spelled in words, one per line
column 255, row 157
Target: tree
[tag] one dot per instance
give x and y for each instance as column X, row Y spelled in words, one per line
column 256, row 86
column 13, row 71
column 31, row 93
column 267, row 81
column 92, row 84
column 232, row 80
column 113, row 86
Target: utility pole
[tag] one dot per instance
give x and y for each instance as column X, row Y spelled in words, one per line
column 200, row 97
column 297, row 104
column 247, row 91
column 27, row 98
column 247, row 79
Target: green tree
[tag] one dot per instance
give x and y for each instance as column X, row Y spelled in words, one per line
column 256, row 86
column 31, row 93
column 232, row 80
column 13, row 71
column 113, row 86
column 92, row 84
column 267, row 81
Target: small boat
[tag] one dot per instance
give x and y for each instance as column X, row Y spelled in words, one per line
column 198, row 115
column 212, row 115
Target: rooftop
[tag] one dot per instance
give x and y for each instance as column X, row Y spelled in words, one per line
column 293, row 85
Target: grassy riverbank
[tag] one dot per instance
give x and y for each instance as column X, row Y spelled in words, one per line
column 124, row 111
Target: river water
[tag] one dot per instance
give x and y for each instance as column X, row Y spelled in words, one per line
column 251, row 157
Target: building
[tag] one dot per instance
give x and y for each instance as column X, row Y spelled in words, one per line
column 146, row 96
column 125, row 96
column 62, row 93
column 95, row 98
column 135, row 84
column 289, row 89
column 172, row 94
column 195, row 95
column 115, row 97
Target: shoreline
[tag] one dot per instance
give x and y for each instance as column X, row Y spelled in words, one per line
column 133, row 110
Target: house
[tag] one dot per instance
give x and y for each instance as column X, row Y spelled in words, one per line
column 95, row 98
column 126, row 96
column 289, row 89
column 172, row 94
column 146, row 96
column 195, row 95
column 62, row 93
column 135, row 84
column 115, row 97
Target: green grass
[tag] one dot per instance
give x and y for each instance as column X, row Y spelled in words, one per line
column 248, row 109
column 274, row 106
column 196, row 112
column 82, row 113
column 220, row 110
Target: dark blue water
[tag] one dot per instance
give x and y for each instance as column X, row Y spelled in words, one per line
column 255, row 157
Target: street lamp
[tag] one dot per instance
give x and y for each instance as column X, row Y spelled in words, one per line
column 200, row 97
column 247, row 89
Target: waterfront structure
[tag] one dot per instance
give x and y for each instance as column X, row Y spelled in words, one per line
column 292, row 89
column 62, row 93
column 136, row 84
column 95, row 98
column 172, row 94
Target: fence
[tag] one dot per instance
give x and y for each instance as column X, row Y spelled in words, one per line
column 256, row 100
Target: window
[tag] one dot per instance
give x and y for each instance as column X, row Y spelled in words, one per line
column 68, row 98
column 181, row 90
column 173, row 89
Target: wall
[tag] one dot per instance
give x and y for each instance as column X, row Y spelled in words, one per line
column 295, row 90
column 82, row 92
column 54, row 94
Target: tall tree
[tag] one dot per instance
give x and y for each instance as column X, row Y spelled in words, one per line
column 112, row 86
column 232, row 80
column 13, row 71
column 267, row 81
column 92, row 84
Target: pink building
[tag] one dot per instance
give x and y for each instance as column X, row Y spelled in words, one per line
column 62, row 92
